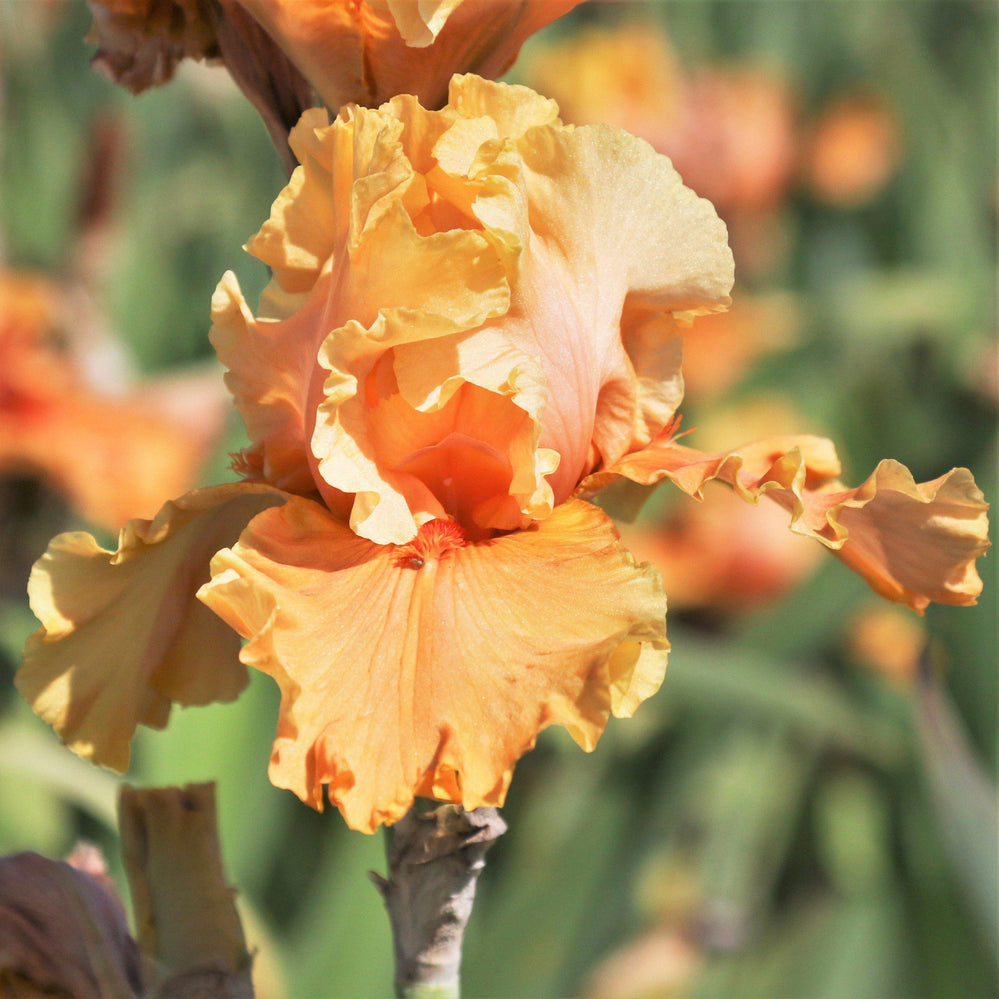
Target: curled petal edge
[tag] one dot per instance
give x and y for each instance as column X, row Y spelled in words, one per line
column 443, row 669
column 913, row 543
column 122, row 636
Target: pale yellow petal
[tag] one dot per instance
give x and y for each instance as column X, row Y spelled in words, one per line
column 419, row 23
column 122, row 635
column 430, row 670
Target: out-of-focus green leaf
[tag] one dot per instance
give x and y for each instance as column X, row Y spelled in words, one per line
column 854, row 834
column 747, row 684
column 30, row 751
column 965, row 805
column 841, row 950
column 755, row 799
column 340, row 944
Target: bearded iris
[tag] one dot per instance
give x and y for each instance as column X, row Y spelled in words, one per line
column 474, row 320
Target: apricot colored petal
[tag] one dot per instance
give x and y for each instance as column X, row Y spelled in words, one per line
column 506, row 418
column 305, row 225
column 413, row 290
column 399, row 681
column 419, row 23
column 351, row 171
column 368, row 52
column 270, row 364
column 912, row 542
column 122, row 635
column 637, row 406
column 512, row 110
column 613, row 237
column 456, row 275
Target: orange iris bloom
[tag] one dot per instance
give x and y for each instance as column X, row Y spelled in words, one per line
column 473, row 319
column 364, row 51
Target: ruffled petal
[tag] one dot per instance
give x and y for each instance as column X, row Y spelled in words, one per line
column 270, row 364
column 122, row 635
column 608, row 238
column 912, row 542
column 429, row 669
column 456, row 439
column 488, row 307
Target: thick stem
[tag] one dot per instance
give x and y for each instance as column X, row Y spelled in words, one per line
column 435, row 858
column 187, row 926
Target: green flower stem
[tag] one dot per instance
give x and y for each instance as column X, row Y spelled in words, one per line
column 434, row 859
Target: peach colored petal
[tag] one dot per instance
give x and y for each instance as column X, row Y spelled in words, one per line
column 272, row 360
column 420, row 257
column 363, row 263
column 121, row 634
column 912, row 542
column 608, row 237
column 441, row 662
column 366, row 52
column 351, row 169
column 393, row 445
column 269, row 367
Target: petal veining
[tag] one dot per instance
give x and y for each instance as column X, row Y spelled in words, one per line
column 436, row 678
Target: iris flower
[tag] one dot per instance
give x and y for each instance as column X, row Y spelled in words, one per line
column 472, row 323
column 280, row 51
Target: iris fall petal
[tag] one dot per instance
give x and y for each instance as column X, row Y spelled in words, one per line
column 912, row 542
column 445, row 662
column 122, row 635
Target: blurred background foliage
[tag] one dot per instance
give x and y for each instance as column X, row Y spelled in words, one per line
column 807, row 808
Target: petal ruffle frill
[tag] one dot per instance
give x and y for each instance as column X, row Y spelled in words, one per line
column 912, row 542
column 404, row 675
column 612, row 247
column 122, row 634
